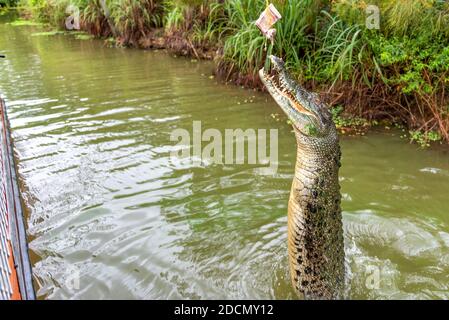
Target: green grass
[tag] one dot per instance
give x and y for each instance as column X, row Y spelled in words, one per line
column 135, row 18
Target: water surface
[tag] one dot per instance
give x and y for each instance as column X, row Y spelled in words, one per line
column 91, row 127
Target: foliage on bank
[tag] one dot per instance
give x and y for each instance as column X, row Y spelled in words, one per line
column 398, row 72
column 8, row 3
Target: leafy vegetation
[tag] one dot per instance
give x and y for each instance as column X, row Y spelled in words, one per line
column 135, row 18
column 347, row 121
column 424, row 138
column 8, row 3
column 398, row 72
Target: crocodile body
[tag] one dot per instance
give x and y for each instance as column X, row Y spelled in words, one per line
column 315, row 231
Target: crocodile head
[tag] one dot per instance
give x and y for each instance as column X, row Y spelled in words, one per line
column 310, row 117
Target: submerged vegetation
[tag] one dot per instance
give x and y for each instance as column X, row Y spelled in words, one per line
column 397, row 72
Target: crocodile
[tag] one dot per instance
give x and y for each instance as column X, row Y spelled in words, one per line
column 315, row 230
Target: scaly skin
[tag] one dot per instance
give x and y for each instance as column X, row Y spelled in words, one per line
column 315, row 231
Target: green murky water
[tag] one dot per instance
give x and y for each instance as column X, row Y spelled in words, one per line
column 91, row 127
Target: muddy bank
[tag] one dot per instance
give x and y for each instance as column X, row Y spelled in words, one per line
column 174, row 42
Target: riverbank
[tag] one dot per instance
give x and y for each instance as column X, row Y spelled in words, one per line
column 395, row 74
